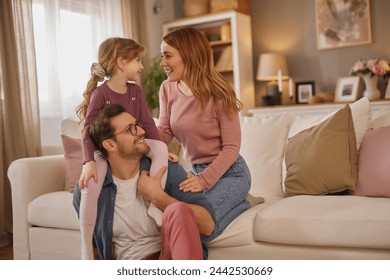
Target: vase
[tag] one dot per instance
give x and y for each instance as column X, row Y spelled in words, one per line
column 371, row 92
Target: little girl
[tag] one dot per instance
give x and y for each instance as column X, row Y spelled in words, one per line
column 120, row 61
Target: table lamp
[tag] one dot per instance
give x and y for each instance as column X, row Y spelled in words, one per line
column 272, row 68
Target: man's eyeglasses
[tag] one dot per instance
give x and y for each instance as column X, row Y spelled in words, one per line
column 130, row 129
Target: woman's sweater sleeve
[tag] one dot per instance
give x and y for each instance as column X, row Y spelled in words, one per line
column 164, row 127
column 230, row 148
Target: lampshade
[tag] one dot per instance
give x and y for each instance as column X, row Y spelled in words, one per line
column 269, row 64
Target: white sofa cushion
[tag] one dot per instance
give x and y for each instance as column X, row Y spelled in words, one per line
column 263, row 141
column 380, row 118
column 54, row 210
column 240, row 231
column 71, row 128
column 361, row 115
column 340, row 221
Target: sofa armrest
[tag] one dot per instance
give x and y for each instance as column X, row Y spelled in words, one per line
column 31, row 178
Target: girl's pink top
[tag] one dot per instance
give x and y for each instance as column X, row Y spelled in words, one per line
column 134, row 103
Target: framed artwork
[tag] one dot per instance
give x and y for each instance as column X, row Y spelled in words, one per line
column 387, row 93
column 303, row 91
column 341, row 23
column 347, row 89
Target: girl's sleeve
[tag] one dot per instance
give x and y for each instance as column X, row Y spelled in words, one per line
column 96, row 103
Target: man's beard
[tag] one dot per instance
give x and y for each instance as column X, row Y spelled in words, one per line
column 136, row 151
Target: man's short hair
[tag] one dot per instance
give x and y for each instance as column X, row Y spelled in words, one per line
column 101, row 129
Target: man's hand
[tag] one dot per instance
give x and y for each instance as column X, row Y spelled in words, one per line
column 150, row 188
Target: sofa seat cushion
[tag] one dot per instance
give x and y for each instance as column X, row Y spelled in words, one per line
column 240, row 230
column 340, row 221
column 54, row 210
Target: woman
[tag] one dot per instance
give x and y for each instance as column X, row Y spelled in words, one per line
column 199, row 108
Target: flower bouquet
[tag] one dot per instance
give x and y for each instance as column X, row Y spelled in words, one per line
column 371, row 66
column 369, row 70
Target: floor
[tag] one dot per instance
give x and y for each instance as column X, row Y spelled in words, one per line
column 6, row 253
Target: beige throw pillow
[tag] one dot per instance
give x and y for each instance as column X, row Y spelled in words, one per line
column 323, row 158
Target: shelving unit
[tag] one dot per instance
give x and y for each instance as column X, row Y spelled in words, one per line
column 319, row 109
column 236, row 67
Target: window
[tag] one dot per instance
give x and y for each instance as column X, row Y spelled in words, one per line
column 67, row 36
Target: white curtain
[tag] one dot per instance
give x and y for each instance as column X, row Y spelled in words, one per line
column 19, row 116
column 67, row 37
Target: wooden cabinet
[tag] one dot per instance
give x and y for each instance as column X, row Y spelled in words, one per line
column 233, row 57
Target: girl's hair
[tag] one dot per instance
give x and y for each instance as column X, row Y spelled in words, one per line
column 200, row 74
column 109, row 51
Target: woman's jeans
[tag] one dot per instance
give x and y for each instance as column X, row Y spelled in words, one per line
column 228, row 194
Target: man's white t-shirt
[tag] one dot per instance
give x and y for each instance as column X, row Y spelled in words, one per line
column 135, row 234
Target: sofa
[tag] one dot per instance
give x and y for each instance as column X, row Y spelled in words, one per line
column 324, row 182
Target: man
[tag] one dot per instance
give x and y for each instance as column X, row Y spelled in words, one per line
column 123, row 229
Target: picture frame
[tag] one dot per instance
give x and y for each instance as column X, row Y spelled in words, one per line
column 387, row 92
column 303, row 91
column 347, row 89
column 342, row 23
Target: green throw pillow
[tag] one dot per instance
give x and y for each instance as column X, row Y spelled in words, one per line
column 323, row 159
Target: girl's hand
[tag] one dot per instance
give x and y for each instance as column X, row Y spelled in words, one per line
column 89, row 170
column 191, row 184
column 173, row 157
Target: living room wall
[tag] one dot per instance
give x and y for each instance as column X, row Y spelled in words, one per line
column 288, row 27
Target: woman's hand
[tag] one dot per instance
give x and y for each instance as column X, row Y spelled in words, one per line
column 89, row 170
column 191, row 184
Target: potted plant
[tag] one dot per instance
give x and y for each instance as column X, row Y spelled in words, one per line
column 152, row 82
